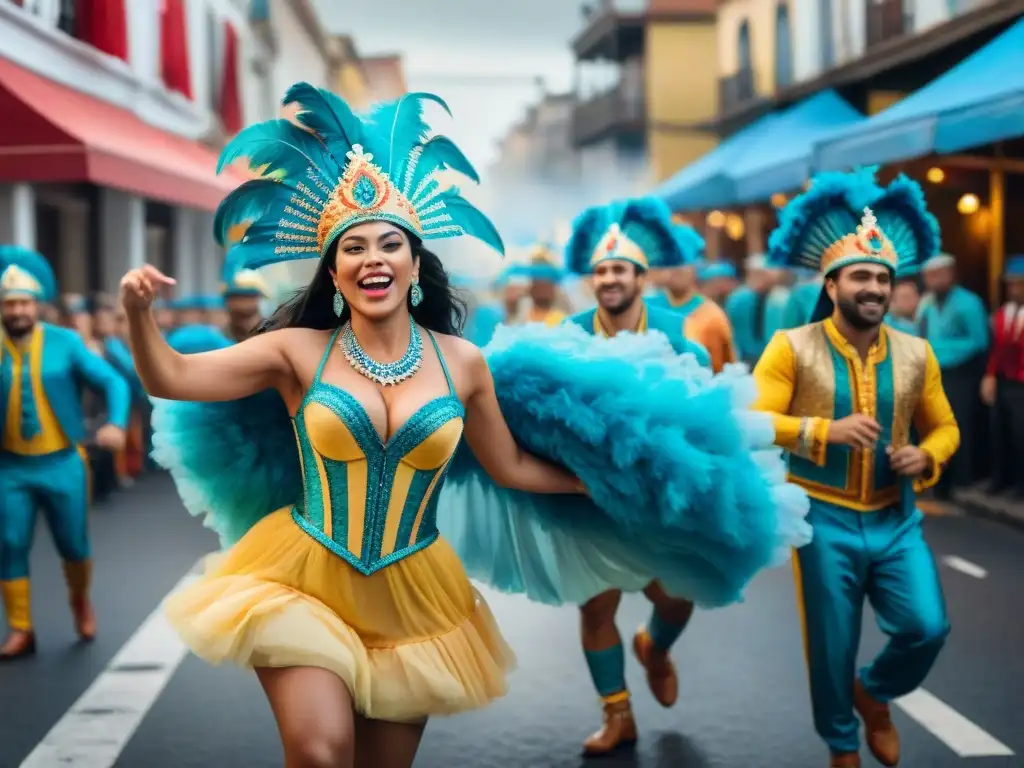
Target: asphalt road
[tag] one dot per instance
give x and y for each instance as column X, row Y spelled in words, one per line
column 743, row 700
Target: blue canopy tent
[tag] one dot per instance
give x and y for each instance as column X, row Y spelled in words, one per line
column 772, row 155
column 705, row 183
column 979, row 101
column 782, row 160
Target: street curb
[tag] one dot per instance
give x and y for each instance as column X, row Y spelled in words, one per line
column 979, row 504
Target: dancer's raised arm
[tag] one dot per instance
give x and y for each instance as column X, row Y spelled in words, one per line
column 225, row 374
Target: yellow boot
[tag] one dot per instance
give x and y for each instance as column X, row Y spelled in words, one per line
column 79, row 576
column 21, row 640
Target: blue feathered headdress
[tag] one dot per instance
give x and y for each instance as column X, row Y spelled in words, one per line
column 848, row 218
column 542, row 265
column 335, row 170
column 691, row 244
column 239, row 281
column 638, row 230
column 26, row 272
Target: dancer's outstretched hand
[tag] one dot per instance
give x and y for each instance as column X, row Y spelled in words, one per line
column 140, row 287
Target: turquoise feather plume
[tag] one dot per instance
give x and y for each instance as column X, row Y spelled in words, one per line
column 828, row 211
column 301, row 166
column 587, row 230
column 691, row 244
column 904, row 218
column 647, row 221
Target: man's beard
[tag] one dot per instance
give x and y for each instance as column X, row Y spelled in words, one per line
column 627, row 301
column 19, row 330
column 850, row 309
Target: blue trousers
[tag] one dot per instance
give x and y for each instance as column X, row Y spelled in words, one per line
column 881, row 556
column 56, row 484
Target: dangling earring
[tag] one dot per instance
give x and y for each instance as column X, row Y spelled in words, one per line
column 339, row 303
column 416, row 294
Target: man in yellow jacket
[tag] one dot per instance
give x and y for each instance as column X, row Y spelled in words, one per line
column 846, row 392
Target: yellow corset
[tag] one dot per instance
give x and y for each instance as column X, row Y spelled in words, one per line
column 372, row 503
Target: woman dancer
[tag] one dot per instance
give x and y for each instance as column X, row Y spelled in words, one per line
column 359, row 621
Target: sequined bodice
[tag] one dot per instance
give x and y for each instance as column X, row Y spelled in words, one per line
column 369, row 501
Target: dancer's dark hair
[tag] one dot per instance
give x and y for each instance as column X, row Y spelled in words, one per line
column 442, row 309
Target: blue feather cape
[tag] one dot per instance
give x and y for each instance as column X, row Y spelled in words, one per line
column 685, row 485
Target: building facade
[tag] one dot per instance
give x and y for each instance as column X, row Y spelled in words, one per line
column 117, row 109
column 639, row 114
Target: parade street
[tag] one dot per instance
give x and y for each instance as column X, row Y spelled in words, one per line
column 134, row 698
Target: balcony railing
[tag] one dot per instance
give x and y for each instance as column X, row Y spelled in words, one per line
column 620, row 110
column 886, row 20
column 735, row 90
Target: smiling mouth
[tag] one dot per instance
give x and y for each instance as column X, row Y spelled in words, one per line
column 376, row 284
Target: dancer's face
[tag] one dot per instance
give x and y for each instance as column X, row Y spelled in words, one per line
column 862, row 293
column 19, row 315
column 617, row 285
column 374, row 268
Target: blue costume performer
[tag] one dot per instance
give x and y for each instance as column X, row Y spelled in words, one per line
column 243, row 291
column 583, row 408
column 350, row 574
column 544, row 277
column 194, row 334
column 42, row 371
column 850, row 396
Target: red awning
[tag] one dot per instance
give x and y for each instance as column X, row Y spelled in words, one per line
column 53, row 133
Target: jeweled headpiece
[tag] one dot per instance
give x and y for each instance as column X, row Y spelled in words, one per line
column 847, row 218
column 638, row 230
column 24, row 272
column 334, row 170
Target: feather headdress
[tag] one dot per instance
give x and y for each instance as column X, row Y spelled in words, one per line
column 24, row 271
column 848, row 218
column 638, row 230
column 541, row 264
column 691, row 243
column 334, row 170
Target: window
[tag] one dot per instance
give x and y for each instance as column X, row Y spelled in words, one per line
column 743, row 47
column 783, row 54
column 67, row 18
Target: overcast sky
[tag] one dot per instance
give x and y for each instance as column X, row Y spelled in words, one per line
column 498, row 46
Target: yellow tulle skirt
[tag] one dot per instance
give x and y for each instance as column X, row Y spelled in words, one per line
column 412, row 640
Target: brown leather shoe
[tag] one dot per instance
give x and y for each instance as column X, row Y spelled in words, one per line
column 619, row 730
column 19, row 644
column 85, row 618
column 881, row 735
column 845, row 760
column 661, row 672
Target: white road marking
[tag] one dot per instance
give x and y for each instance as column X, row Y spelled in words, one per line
column 950, row 727
column 97, row 727
column 965, row 566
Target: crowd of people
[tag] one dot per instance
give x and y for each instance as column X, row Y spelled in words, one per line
column 980, row 352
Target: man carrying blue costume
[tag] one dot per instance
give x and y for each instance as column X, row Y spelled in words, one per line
column 617, row 245
column 544, row 276
column 194, row 333
column 745, row 308
column 848, row 395
column 243, row 291
column 42, row 370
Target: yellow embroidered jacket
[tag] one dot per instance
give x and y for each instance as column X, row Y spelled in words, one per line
column 810, row 376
